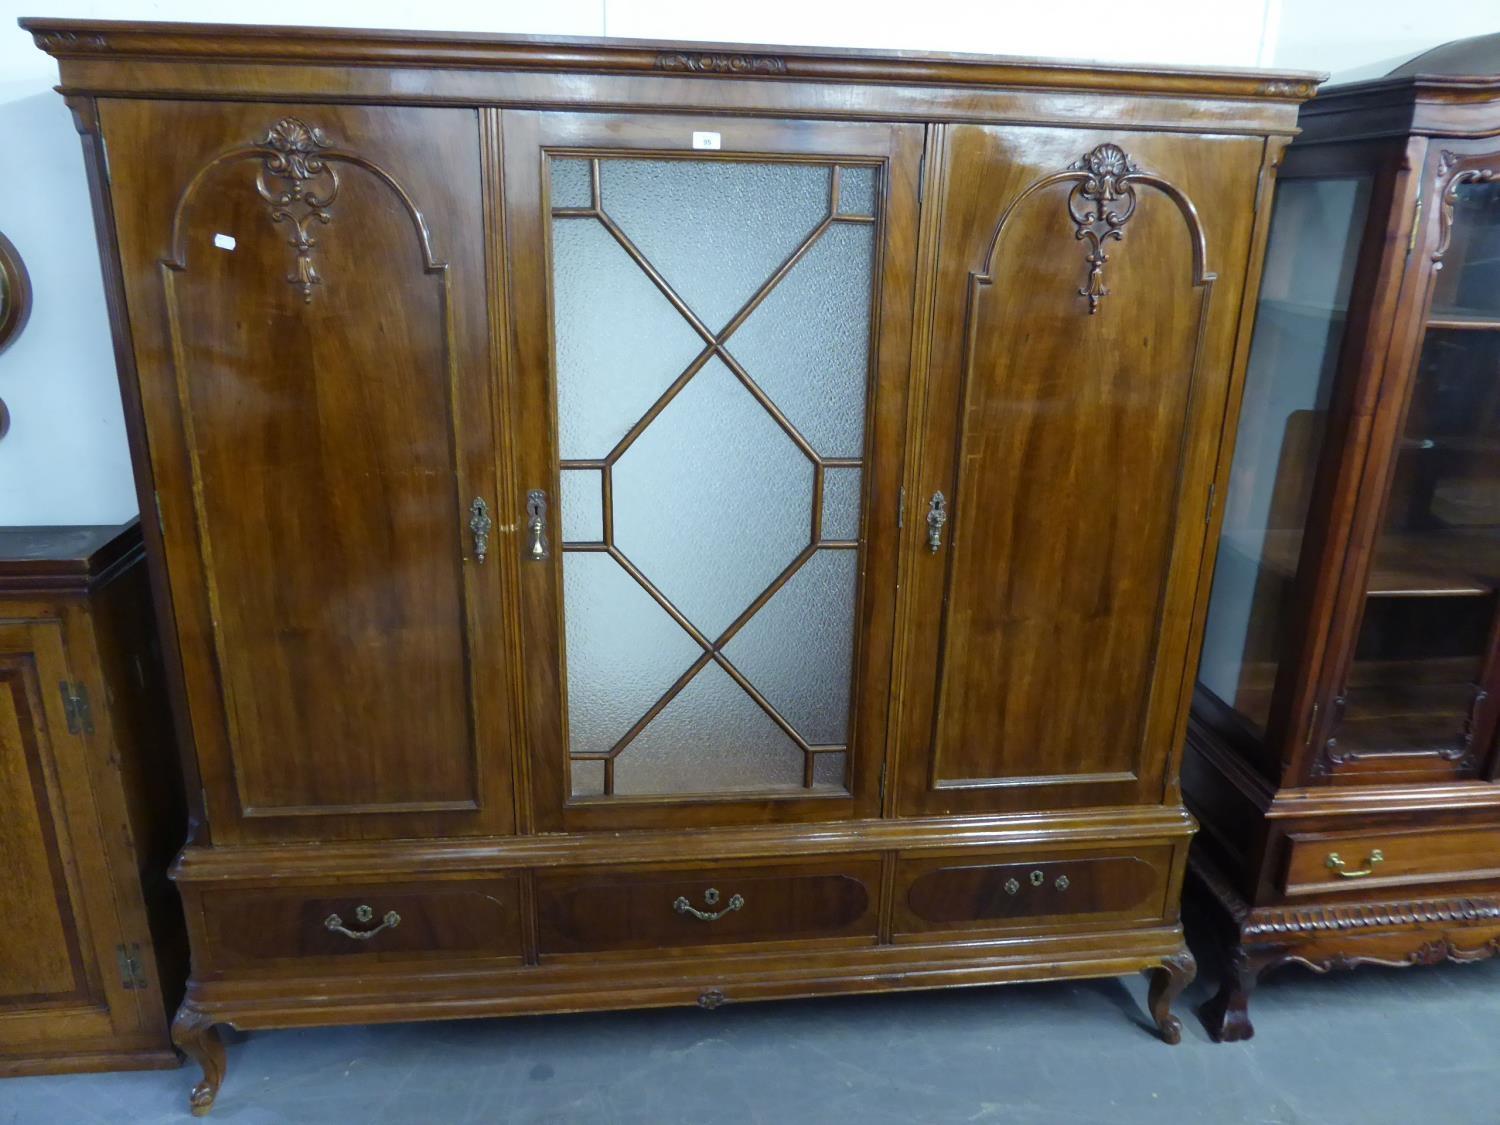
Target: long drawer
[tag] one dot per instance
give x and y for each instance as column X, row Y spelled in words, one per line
column 964, row 891
column 1324, row 862
column 632, row 908
column 354, row 924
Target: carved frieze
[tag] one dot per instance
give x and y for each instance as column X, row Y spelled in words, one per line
column 700, row 62
column 63, row 41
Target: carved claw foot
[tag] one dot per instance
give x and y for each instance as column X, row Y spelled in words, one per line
column 195, row 1035
column 1226, row 1017
column 1167, row 982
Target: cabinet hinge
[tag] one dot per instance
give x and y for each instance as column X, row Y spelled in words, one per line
column 922, row 176
column 76, row 707
column 132, row 976
column 104, row 156
column 1312, row 724
column 901, row 508
column 1416, row 226
column 1208, row 514
column 882, row 785
column 1260, row 188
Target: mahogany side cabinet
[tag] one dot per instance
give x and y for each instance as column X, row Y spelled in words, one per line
column 1342, row 749
column 648, row 524
column 93, row 953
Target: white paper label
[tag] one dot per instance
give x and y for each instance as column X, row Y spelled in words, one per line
column 224, row 241
column 705, row 140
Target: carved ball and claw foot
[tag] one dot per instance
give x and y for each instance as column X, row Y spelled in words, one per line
column 1226, row 1017
column 1167, row 982
column 195, row 1035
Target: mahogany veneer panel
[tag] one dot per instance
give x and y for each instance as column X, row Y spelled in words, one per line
column 961, row 891
column 634, row 909
column 479, row 918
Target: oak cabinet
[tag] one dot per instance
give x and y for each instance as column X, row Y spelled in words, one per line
column 1342, row 754
column 92, row 953
column 645, row 525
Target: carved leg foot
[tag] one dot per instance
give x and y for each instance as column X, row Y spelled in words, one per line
column 195, row 1035
column 1227, row 1015
column 1167, row 982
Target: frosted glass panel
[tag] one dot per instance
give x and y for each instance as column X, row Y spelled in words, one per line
column 588, row 778
column 857, row 191
column 807, row 344
column 620, row 343
column 711, row 738
column 713, row 500
column 828, row 770
column 571, row 185
column 798, row 649
column 582, row 505
column 841, row 503
column 623, row 651
column 716, row 229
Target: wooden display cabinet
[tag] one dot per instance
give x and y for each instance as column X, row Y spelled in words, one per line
column 657, row 524
column 1341, row 754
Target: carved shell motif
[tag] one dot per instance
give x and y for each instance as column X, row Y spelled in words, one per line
column 1100, row 204
column 298, row 184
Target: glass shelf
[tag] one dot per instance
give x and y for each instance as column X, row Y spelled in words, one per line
column 1452, row 563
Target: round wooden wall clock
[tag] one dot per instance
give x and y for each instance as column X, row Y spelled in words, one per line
column 15, row 306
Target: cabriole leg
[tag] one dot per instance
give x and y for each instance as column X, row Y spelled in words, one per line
column 195, row 1035
column 1167, row 982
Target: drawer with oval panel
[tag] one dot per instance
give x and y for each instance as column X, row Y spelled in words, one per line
column 358, row 923
column 597, row 910
column 963, row 891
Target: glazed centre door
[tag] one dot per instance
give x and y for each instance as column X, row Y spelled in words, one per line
column 709, row 444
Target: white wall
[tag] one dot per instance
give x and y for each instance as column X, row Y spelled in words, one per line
column 65, row 459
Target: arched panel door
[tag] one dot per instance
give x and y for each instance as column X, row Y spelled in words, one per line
column 1076, row 389
column 311, row 334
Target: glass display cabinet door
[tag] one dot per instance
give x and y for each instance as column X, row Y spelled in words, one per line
column 1311, row 256
column 710, row 492
column 1418, row 696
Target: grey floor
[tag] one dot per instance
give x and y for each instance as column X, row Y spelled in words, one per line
column 1401, row 1046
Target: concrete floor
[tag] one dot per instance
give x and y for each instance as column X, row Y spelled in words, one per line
column 1374, row 1046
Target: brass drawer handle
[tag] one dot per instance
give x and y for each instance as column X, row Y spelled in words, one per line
column 480, row 524
column 1336, row 864
column 363, row 914
column 710, row 896
column 937, row 517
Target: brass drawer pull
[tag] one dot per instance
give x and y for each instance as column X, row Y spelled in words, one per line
column 710, row 896
column 480, row 524
column 363, row 914
column 1336, row 865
